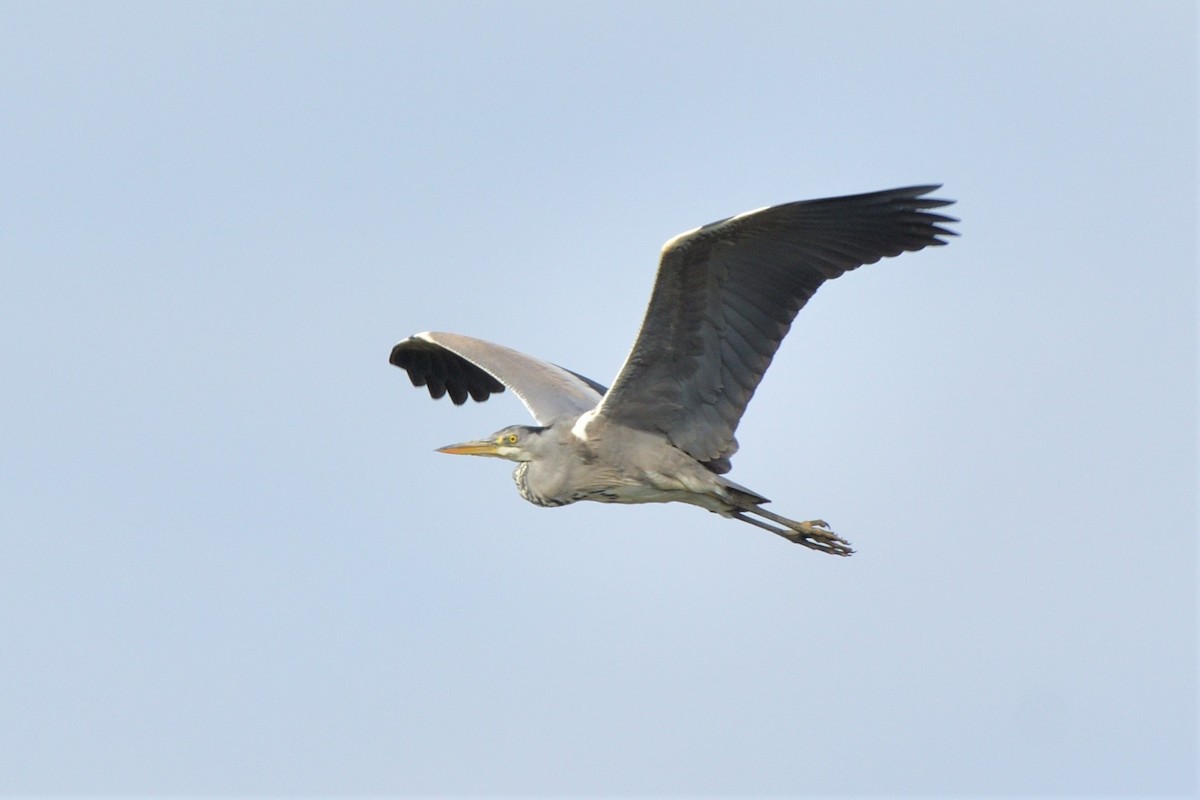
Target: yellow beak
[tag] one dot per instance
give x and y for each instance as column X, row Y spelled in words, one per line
column 481, row 448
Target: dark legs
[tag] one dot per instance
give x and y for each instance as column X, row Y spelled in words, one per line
column 814, row 535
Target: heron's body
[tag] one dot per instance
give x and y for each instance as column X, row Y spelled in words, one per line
column 630, row 467
column 724, row 299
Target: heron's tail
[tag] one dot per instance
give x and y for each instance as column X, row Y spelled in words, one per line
column 741, row 496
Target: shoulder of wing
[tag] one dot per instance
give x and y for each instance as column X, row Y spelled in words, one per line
column 713, row 231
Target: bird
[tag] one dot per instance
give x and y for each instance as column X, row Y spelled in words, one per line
column 724, row 298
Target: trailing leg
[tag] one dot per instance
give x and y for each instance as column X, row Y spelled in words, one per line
column 814, row 534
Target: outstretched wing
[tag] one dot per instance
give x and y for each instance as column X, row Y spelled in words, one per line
column 449, row 363
column 726, row 295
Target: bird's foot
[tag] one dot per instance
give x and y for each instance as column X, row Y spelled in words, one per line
column 815, row 534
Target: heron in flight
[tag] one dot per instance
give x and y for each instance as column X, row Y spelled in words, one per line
column 725, row 296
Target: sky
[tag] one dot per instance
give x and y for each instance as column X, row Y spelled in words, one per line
column 231, row 562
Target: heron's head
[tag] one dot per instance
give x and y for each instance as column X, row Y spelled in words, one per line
column 516, row 443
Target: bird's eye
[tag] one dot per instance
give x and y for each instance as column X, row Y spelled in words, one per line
column 511, row 438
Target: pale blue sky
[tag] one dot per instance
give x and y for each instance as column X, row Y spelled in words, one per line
column 231, row 563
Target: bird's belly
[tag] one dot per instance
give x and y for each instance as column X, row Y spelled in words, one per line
column 642, row 493
column 611, row 494
column 648, row 487
column 630, row 494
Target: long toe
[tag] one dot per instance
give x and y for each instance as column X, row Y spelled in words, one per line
column 821, row 538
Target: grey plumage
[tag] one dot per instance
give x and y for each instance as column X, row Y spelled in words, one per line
column 461, row 366
column 725, row 296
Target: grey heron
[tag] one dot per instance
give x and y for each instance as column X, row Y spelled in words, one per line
column 725, row 296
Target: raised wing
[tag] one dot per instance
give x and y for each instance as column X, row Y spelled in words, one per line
column 449, row 363
column 726, row 295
